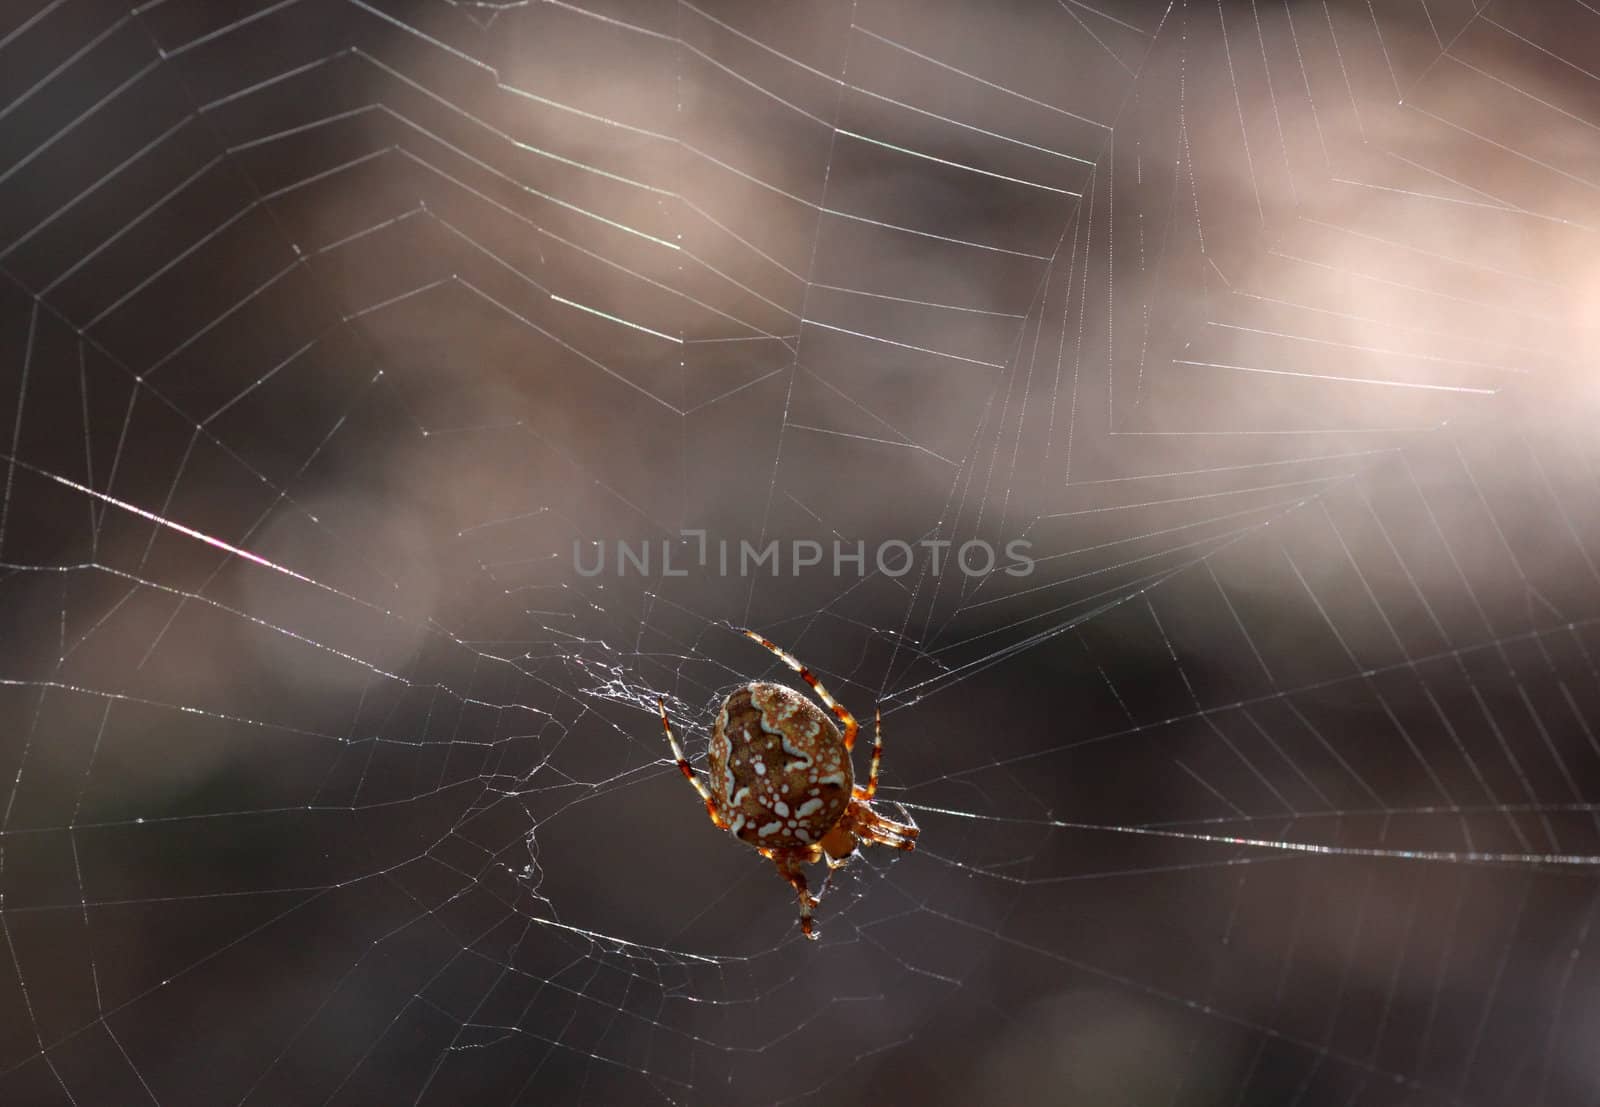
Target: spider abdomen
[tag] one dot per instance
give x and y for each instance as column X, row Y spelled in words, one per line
column 779, row 771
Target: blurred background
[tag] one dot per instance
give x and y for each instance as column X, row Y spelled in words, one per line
column 338, row 338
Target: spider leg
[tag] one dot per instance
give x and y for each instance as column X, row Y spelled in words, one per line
column 875, row 829
column 849, row 720
column 877, row 756
column 789, row 868
column 833, row 867
column 844, row 859
column 840, row 862
column 891, row 834
column 688, row 772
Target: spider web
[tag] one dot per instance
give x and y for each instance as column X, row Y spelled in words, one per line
column 332, row 334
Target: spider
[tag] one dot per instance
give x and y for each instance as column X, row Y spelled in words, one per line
column 781, row 779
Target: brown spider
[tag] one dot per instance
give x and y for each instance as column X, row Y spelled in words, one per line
column 781, row 779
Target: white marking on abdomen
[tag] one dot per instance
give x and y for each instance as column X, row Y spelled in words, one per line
column 802, row 758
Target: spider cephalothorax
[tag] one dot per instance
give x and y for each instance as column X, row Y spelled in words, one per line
column 781, row 779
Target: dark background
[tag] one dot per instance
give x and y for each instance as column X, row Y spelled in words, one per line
column 327, row 329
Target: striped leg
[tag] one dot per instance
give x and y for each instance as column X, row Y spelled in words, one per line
column 687, row 771
column 849, row 720
column 877, row 757
column 789, row 868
